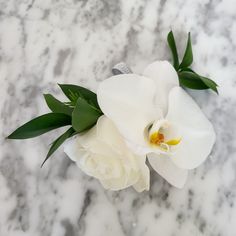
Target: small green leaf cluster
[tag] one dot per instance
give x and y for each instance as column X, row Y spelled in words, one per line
column 187, row 77
column 81, row 113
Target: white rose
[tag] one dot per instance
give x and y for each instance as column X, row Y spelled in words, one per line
column 102, row 153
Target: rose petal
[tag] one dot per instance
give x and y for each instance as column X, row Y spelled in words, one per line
column 164, row 166
column 102, row 153
column 128, row 101
column 196, row 130
column 108, row 133
column 165, row 78
column 126, row 180
column 74, row 148
column 144, row 180
column 140, row 184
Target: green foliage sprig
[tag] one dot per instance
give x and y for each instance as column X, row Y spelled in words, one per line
column 81, row 113
column 187, row 77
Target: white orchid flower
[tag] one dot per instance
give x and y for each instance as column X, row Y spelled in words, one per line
column 102, row 153
column 158, row 119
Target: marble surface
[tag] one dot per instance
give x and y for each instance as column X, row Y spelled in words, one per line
column 43, row 43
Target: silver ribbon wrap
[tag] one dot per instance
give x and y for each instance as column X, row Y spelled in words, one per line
column 121, row 68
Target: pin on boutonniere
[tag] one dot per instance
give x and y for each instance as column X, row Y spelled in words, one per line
column 132, row 119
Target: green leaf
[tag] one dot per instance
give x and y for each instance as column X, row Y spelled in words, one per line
column 41, row 125
column 188, row 55
column 187, row 69
column 191, row 80
column 57, row 106
column 210, row 83
column 188, row 73
column 58, row 142
column 84, row 115
column 172, row 45
column 73, row 92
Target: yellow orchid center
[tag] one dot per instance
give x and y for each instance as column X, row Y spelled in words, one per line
column 158, row 139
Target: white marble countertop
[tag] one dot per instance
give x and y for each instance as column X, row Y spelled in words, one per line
column 43, row 43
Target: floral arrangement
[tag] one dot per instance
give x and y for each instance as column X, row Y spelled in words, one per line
column 131, row 120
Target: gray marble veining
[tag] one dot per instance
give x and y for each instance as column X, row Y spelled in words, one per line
column 43, row 43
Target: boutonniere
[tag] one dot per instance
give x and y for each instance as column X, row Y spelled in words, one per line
column 131, row 120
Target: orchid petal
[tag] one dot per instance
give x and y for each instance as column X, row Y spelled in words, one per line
column 164, row 166
column 197, row 132
column 128, row 101
column 165, row 78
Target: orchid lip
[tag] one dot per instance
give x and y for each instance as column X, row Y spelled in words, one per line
column 158, row 136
